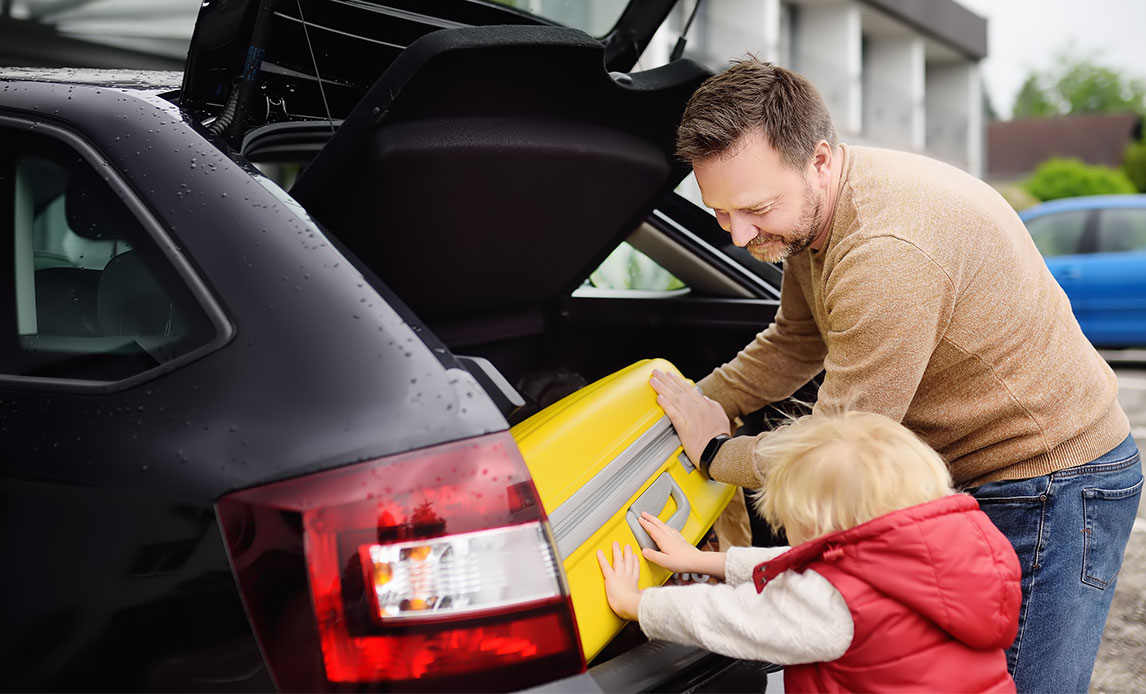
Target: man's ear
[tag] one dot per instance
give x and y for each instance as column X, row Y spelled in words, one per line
column 822, row 162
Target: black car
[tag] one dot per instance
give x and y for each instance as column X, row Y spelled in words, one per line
column 216, row 398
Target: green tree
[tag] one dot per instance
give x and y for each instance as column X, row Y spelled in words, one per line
column 1078, row 85
column 1090, row 88
column 1032, row 100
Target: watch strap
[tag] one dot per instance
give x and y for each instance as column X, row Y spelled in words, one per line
column 709, row 453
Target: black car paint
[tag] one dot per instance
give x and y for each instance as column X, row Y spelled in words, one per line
column 321, row 371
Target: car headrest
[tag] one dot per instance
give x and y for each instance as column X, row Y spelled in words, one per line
column 130, row 300
column 93, row 211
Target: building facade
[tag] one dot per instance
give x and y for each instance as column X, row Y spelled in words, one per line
column 894, row 73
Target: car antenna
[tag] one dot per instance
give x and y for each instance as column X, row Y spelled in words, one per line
column 678, row 49
column 314, row 62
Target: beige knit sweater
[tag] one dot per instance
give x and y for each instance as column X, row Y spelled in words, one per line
column 929, row 303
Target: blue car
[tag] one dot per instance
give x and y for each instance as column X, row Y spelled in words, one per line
column 1095, row 247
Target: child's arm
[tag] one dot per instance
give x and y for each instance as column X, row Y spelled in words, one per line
column 797, row 618
column 676, row 553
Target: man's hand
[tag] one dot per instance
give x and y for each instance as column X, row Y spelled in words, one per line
column 676, row 553
column 621, row 581
column 695, row 417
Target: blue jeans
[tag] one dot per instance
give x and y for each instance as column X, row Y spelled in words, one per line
column 1069, row 529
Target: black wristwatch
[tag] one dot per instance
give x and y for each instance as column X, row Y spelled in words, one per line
column 709, row 453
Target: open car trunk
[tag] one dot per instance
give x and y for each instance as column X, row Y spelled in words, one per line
column 481, row 190
column 482, row 177
column 483, row 172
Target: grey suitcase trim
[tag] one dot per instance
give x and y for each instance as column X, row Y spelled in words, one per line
column 599, row 500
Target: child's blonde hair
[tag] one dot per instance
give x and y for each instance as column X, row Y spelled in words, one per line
column 824, row 473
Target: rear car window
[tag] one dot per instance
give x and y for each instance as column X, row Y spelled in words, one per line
column 85, row 293
column 1059, row 233
column 594, row 17
column 1121, row 231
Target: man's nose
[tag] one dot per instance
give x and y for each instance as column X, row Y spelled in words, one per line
column 742, row 230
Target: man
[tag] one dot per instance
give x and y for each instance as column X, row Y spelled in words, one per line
column 918, row 292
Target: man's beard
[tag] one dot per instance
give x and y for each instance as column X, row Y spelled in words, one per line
column 765, row 248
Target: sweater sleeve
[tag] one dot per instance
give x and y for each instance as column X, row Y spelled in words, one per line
column 740, row 561
column 785, row 356
column 797, row 618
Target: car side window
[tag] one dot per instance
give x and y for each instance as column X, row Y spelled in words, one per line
column 1121, row 230
column 1059, row 233
column 85, row 293
column 628, row 268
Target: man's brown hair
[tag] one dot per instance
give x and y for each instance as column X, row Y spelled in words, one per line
column 752, row 94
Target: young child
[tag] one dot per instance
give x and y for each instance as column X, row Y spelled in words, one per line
column 894, row 582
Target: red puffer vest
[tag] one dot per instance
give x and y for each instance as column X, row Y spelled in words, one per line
column 934, row 595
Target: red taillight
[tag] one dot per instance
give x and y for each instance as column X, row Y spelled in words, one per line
column 430, row 570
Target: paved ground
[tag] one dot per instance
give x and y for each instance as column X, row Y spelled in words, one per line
column 1121, row 665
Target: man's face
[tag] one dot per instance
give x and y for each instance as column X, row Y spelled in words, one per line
column 767, row 207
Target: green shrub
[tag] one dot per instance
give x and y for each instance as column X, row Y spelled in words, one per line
column 1067, row 178
column 1134, row 164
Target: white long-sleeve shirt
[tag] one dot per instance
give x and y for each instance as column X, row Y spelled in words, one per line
column 797, row 618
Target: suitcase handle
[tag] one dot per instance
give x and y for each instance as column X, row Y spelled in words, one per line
column 653, row 500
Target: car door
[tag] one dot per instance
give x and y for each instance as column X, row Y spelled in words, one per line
column 1113, row 279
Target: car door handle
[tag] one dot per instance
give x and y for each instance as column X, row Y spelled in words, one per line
column 1069, row 273
column 653, row 500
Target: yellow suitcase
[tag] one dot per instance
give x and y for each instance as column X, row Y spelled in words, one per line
column 599, row 457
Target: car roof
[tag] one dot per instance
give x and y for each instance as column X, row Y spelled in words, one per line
column 144, row 80
column 1087, row 202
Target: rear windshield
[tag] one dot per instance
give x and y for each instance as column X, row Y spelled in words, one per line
column 595, row 17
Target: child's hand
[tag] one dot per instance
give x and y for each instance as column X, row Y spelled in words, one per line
column 621, row 581
column 676, row 553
